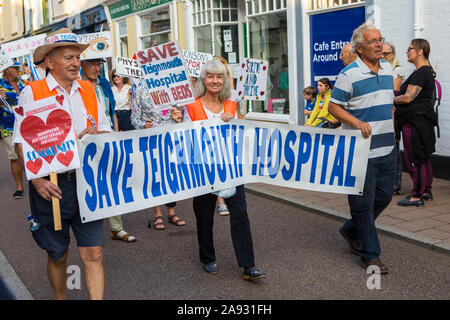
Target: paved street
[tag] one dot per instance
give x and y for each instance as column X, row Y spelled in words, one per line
column 302, row 253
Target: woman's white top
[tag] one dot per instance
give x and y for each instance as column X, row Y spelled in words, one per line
column 123, row 100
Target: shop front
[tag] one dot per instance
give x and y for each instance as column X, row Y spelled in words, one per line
column 252, row 29
column 137, row 25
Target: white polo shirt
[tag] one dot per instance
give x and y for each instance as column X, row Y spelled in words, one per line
column 72, row 101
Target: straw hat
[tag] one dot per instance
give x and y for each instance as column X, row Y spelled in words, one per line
column 60, row 38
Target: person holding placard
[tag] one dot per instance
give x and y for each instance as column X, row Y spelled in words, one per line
column 145, row 115
column 213, row 93
column 10, row 87
column 61, row 55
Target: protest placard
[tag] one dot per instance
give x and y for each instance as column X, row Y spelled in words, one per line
column 100, row 45
column 165, row 75
column 252, row 79
column 133, row 170
column 129, row 68
column 5, row 60
column 24, row 46
column 48, row 138
column 194, row 61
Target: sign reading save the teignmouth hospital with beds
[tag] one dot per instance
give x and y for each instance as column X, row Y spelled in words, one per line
column 133, row 170
column 165, row 75
column 48, row 137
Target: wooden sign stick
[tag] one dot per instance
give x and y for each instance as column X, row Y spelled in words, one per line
column 55, row 203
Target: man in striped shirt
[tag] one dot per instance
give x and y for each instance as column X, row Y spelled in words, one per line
column 362, row 99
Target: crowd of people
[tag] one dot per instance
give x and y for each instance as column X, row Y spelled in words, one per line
column 362, row 98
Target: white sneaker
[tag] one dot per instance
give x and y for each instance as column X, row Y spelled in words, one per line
column 223, row 209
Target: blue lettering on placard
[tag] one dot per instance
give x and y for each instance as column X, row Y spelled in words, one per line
column 312, row 177
column 327, row 142
column 289, row 155
column 274, row 166
column 338, row 165
column 195, row 158
column 225, row 129
column 102, row 177
column 208, row 155
column 183, row 171
column 349, row 179
column 304, row 152
column 161, row 164
column 171, row 171
column 259, row 151
column 143, row 147
column 115, row 170
column 237, row 148
column 156, row 186
column 88, row 173
column 220, row 162
column 127, row 172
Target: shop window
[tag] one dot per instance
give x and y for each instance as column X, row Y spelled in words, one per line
column 267, row 34
column 327, row 4
column 264, row 6
column 216, row 28
column 155, row 28
column 123, row 38
column 45, row 13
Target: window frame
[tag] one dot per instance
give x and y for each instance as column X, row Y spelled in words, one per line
column 169, row 31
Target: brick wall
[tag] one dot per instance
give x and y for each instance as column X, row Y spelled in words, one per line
column 397, row 26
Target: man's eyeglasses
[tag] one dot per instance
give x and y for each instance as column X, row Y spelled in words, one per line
column 380, row 40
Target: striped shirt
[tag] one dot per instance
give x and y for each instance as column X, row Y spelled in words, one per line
column 369, row 97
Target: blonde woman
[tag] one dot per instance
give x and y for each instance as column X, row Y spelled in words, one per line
column 399, row 75
column 391, row 57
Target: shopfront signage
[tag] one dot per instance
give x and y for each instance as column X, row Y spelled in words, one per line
column 126, row 7
column 329, row 33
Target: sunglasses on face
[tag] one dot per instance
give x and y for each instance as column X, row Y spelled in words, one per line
column 115, row 76
column 410, row 48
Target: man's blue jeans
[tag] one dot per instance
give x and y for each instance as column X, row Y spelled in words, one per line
column 364, row 209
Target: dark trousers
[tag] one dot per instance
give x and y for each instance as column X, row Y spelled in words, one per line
column 421, row 174
column 124, row 119
column 204, row 209
column 365, row 209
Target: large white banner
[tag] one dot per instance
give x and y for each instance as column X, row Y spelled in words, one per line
column 133, row 170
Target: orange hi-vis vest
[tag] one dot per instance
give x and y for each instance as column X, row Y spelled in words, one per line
column 196, row 111
column 41, row 91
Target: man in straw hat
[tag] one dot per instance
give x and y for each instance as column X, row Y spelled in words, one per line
column 61, row 56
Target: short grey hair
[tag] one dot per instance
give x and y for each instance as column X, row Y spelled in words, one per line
column 214, row 66
column 357, row 37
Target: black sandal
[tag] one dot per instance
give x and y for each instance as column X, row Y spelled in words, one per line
column 176, row 222
column 158, row 223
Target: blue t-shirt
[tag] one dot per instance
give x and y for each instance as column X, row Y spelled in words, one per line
column 310, row 105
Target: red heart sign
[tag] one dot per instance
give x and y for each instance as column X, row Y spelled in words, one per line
column 65, row 158
column 243, row 65
column 262, row 93
column 34, row 166
column 42, row 136
column 60, row 99
column 239, row 93
column 19, row 110
column 264, row 68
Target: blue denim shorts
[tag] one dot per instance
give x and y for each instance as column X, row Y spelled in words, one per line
column 54, row 242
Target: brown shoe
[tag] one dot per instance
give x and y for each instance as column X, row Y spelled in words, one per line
column 353, row 245
column 375, row 262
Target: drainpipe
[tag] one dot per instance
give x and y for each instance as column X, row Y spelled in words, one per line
column 418, row 23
